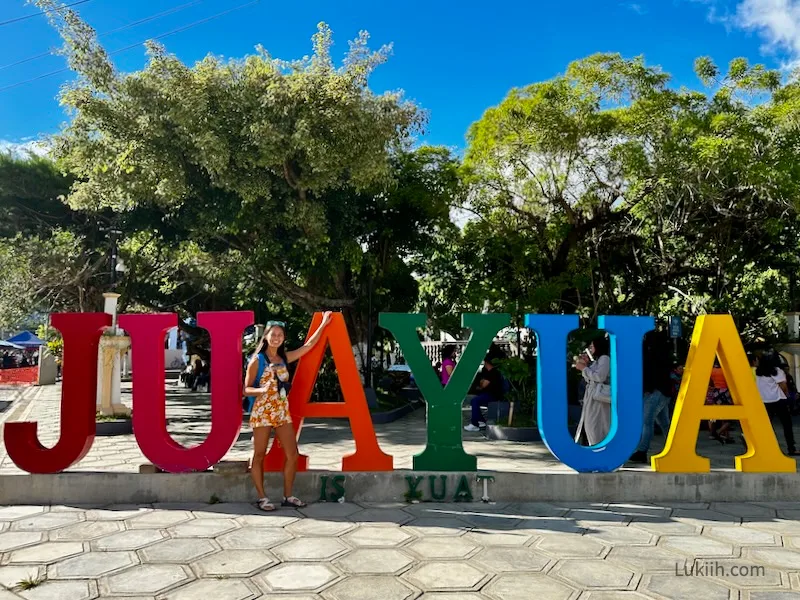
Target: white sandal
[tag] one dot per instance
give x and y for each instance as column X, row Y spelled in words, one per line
column 293, row 502
column 265, row 505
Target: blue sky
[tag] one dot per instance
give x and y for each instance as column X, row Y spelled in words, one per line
column 454, row 59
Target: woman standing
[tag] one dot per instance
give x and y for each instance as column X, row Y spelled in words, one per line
column 596, row 413
column 268, row 370
column 771, row 381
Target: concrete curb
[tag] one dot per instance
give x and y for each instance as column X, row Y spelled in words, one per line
column 121, row 488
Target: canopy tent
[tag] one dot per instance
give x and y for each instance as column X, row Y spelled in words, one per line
column 26, row 339
column 9, row 346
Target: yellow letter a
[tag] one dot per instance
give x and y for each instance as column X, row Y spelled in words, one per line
column 717, row 335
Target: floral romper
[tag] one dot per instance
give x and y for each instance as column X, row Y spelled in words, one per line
column 272, row 408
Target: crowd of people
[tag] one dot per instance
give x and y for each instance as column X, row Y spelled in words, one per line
column 19, row 359
column 661, row 379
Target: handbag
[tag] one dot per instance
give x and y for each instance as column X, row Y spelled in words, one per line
column 603, row 393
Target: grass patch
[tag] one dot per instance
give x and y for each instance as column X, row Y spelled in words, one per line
column 29, row 583
column 214, row 499
column 101, row 418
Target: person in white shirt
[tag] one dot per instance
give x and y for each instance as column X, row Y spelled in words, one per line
column 771, row 381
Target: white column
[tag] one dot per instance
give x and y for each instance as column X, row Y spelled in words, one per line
column 172, row 338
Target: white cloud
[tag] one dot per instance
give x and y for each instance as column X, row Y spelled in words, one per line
column 25, row 148
column 637, row 8
column 776, row 21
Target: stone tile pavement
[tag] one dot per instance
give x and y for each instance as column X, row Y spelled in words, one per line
column 325, row 441
column 402, row 552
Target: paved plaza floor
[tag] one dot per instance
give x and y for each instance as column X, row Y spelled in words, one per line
column 325, row 441
column 392, row 552
column 346, row 551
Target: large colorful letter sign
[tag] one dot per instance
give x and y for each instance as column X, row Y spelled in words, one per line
column 626, row 335
column 147, row 334
column 444, row 450
column 368, row 455
column 81, row 334
column 717, row 335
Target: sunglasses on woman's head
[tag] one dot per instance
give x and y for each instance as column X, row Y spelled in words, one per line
column 276, row 324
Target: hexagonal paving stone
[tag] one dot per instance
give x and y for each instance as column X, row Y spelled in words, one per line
column 368, row 536
column 535, row 509
column 500, row 560
column 181, row 551
column 19, row 539
column 218, row 589
column 270, row 519
column 310, row 548
column 11, row 576
column 597, row 516
column 492, row 522
column 203, row 528
column 159, row 519
column 128, row 540
column 587, row 574
column 298, row 577
column 483, row 537
column 696, row 546
column 146, row 579
column 253, row 538
column 86, row 531
column 620, row 536
column 364, row 588
column 93, row 564
column 549, row 525
column 739, row 573
column 45, row 522
column 686, row 588
column 781, row 558
column 316, row 527
column 429, row 526
column 386, row 516
column 9, row 513
column 521, row 586
column 562, row 546
column 742, row 536
column 375, row 561
column 706, row 518
column 234, row 563
column 739, row 509
column 445, row 576
column 327, row 510
column 772, row 595
column 116, row 513
column 652, row 559
column 779, row 526
column 47, row 552
column 658, row 527
column 442, row 547
column 60, row 590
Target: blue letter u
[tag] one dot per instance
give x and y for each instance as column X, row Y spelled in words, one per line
column 626, row 335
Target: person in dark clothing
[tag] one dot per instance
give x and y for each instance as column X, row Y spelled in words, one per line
column 771, row 382
column 491, row 390
column 657, row 384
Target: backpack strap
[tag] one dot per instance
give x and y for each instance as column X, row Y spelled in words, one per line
column 262, row 364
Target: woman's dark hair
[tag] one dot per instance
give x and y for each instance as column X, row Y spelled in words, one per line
column 264, row 344
column 602, row 347
column 448, row 351
column 767, row 365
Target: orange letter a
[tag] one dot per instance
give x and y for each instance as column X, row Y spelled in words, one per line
column 368, row 455
column 716, row 334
